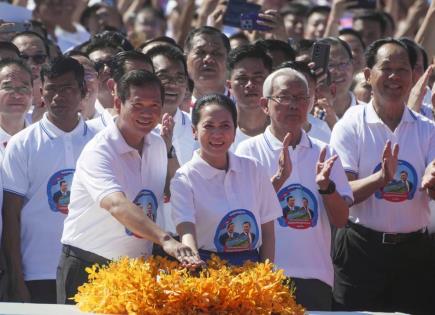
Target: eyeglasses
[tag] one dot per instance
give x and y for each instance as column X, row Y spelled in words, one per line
column 38, row 59
column 166, row 79
column 339, row 66
column 99, row 65
column 244, row 80
column 23, row 90
column 289, row 99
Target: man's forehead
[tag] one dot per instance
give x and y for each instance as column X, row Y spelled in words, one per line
column 12, row 72
column 388, row 52
column 288, row 82
column 204, row 40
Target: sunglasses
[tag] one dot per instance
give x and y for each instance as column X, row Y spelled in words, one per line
column 38, row 59
column 99, row 65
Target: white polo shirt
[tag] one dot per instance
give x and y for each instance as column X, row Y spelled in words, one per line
column 302, row 233
column 239, row 138
column 102, row 121
column 319, row 129
column 221, row 202
column 4, row 139
column 39, row 165
column 107, row 165
column 359, row 139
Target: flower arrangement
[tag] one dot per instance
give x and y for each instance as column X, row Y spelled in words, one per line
column 159, row 286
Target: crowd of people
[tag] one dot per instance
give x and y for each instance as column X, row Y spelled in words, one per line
column 136, row 128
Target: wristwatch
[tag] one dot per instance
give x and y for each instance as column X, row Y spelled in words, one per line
column 329, row 190
column 171, row 152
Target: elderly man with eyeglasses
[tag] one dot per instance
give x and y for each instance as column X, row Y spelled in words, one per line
column 309, row 171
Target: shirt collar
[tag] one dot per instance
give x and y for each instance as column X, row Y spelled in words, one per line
column 207, row 171
column 118, row 140
column 53, row 131
column 275, row 144
column 372, row 117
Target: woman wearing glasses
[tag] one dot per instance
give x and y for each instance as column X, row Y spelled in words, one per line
column 313, row 192
column 223, row 204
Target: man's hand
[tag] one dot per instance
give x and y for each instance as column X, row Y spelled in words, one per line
column 418, row 92
column 183, row 253
column 428, row 180
column 323, row 169
column 389, row 162
column 284, row 164
column 273, row 20
column 167, row 130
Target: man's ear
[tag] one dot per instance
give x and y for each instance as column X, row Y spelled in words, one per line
column 264, row 105
column 117, row 104
column 111, row 85
column 367, row 74
column 84, row 89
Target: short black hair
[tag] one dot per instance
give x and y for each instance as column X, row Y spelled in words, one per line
column 89, row 11
column 299, row 66
column 101, row 44
column 6, row 45
column 19, row 63
column 137, row 78
column 62, row 65
column 417, row 48
column 372, row 15
column 205, row 30
column 372, row 51
column 163, row 39
column 156, row 13
column 274, row 44
column 30, row 33
column 115, row 37
column 248, row 51
column 298, row 9
column 37, row 24
column 318, row 9
column 169, row 52
column 388, row 19
column 239, row 35
column 352, row 32
column 117, row 64
column 335, row 41
column 74, row 52
column 216, row 99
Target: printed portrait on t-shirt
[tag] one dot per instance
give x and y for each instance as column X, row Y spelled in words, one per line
column 403, row 185
column 299, row 207
column 58, row 190
column 237, row 231
column 147, row 201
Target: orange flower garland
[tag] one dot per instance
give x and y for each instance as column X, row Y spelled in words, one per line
column 158, row 286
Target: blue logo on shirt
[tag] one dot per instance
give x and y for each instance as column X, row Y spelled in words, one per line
column 299, row 207
column 147, row 201
column 58, row 190
column 403, row 185
column 238, row 231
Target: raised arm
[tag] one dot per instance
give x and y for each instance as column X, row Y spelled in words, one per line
column 426, row 34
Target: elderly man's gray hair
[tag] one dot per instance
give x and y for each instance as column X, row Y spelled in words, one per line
column 268, row 83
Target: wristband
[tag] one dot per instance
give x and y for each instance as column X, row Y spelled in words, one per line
column 329, row 190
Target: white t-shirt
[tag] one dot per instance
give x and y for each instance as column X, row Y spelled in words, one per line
column 39, row 165
column 107, row 165
column 239, row 138
column 359, row 138
column 302, row 233
column 67, row 40
column 319, row 129
column 220, row 203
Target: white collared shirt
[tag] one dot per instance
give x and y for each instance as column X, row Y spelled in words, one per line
column 302, row 233
column 107, row 165
column 239, row 138
column 4, row 139
column 36, row 162
column 359, row 139
column 213, row 199
column 319, row 129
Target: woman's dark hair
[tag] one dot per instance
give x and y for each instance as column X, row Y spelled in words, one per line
column 335, row 41
column 215, row 99
column 61, row 65
column 372, row 51
column 139, row 78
